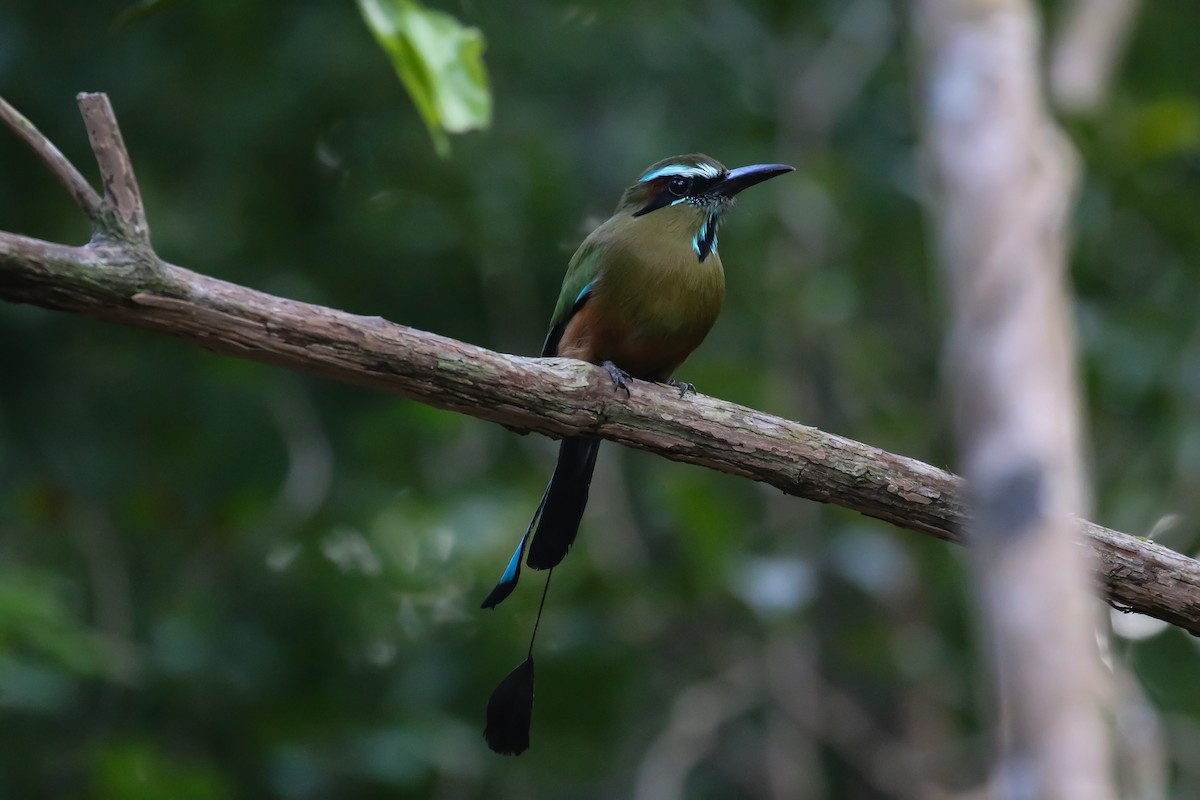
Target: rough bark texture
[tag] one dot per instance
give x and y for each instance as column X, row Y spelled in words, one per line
column 556, row 397
column 123, row 208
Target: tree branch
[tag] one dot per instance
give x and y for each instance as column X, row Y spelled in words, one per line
column 556, row 397
column 1091, row 40
column 121, row 191
column 81, row 191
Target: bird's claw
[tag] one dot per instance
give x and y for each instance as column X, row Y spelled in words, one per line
column 682, row 386
column 618, row 375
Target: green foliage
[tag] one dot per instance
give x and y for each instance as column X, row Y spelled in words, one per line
column 221, row 579
column 142, row 770
column 440, row 63
column 140, row 10
column 35, row 623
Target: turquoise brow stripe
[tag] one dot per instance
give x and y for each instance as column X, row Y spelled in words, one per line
column 689, row 170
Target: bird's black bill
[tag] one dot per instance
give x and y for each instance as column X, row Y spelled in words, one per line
column 735, row 180
column 510, row 712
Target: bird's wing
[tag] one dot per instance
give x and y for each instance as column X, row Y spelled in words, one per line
column 577, row 287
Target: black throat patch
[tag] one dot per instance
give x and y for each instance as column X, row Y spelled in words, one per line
column 705, row 240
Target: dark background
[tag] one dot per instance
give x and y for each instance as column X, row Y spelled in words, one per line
column 224, row 580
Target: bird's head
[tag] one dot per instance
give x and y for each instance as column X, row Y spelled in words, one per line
column 690, row 193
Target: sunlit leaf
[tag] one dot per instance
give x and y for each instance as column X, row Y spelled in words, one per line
column 440, row 63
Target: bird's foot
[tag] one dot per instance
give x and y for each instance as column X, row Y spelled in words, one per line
column 682, row 386
column 618, row 375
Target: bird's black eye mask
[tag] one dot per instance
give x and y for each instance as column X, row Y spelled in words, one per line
column 671, row 189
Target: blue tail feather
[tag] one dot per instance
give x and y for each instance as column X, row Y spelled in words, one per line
column 512, row 573
column 555, row 524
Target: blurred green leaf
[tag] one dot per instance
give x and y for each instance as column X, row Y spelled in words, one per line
column 140, row 11
column 440, row 63
column 142, row 770
column 36, row 621
column 1167, row 126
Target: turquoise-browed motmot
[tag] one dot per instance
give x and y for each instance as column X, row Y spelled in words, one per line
column 639, row 296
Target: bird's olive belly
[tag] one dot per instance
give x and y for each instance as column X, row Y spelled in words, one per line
column 649, row 340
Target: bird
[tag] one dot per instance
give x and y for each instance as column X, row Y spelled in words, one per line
column 640, row 294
